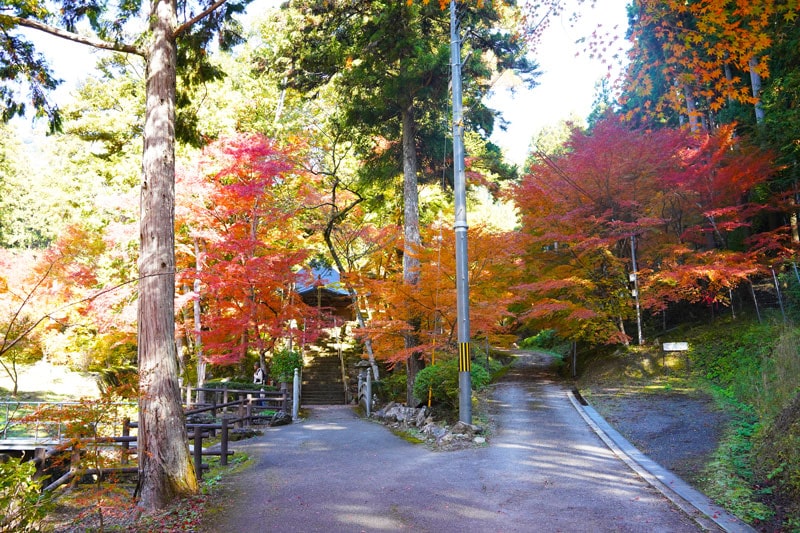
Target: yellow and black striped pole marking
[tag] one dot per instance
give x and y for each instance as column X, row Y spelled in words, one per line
column 463, row 357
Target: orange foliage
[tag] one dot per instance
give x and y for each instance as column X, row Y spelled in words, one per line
column 693, row 42
column 681, row 197
column 494, row 264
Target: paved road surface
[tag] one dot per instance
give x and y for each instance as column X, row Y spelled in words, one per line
column 544, row 471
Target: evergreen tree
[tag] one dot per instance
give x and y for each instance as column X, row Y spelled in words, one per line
column 165, row 469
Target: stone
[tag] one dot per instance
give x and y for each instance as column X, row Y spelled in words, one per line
column 422, row 414
column 479, row 440
column 468, row 429
column 280, row 419
column 404, row 415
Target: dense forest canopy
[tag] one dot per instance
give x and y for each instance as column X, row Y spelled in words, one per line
column 321, row 136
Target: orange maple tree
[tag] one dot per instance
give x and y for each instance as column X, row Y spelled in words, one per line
column 494, row 266
column 251, row 248
column 702, row 53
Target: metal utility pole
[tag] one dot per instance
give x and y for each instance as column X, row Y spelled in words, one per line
column 460, row 226
column 635, row 280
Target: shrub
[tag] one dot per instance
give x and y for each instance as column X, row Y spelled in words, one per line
column 22, row 507
column 283, row 364
column 441, row 380
column 392, row 386
column 545, row 339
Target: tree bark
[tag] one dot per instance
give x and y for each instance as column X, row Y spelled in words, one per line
column 165, row 467
column 198, row 339
column 755, row 82
column 691, row 109
column 412, row 241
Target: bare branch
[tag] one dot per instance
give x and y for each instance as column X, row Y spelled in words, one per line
column 74, row 37
column 189, row 23
column 8, row 345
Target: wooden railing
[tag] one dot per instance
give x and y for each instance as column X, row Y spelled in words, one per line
column 235, row 408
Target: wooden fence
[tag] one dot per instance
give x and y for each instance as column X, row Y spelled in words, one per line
column 234, row 408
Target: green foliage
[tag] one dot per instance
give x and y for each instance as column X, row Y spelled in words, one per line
column 283, row 364
column 728, row 478
column 545, row 339
column 779, row 454
column 22, row 506
column 392, row 386
column 549, row 341
column 442, row 380
column 728, row 357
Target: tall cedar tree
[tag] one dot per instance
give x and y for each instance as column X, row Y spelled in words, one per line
column 392, row 60
column 165, row 469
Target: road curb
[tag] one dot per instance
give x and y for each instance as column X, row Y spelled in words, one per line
column 694, row 503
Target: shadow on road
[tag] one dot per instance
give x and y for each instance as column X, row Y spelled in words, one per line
column 544, row 470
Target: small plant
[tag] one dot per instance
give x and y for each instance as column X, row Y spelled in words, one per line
column 441, row 380
column 283, row 364
column 22, row 506
column 545, row 339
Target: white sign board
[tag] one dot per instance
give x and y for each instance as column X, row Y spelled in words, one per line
column 676, row 346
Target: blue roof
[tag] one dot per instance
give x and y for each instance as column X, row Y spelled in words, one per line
column 325, row 277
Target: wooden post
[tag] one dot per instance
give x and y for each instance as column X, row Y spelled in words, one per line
column 284, row 397
column 74, row 465
column 126, row 432
column 225, row 398
column 39, row 458
column 223, row 444
column 240, row 411
column 198, row 452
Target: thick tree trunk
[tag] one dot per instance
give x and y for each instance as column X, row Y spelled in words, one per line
column 165, row 467
column 755, row 82
column 691, row 109
column 412, row 241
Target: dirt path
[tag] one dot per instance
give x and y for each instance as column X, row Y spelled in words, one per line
column 545, row 470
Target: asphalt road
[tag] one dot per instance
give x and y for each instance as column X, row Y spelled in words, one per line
column 545, row 470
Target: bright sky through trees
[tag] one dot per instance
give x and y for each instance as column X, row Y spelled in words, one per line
column 569, row 75
column 567, row 84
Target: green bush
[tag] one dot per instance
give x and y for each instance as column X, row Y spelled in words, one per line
column 545, row 339
column 283, row 364
column 392, row 386
column 442, row 380
column 22, row 507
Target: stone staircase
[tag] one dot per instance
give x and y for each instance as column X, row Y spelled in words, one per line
column 322, row 381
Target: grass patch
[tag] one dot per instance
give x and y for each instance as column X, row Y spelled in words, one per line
column 729, row 478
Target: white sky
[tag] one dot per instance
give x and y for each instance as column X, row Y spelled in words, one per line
column 567, row 83
column 566, row 86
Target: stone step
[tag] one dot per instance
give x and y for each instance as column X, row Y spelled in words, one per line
column 322, row 381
